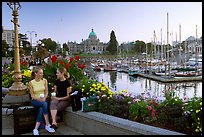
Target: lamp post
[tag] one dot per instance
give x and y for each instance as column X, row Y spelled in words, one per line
column 17, row 88
column 40, row 45
column 30, row 33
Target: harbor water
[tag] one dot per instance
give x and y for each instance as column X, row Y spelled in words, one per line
column 118, row 81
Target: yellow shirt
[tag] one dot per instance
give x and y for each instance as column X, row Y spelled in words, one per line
column 38, row 87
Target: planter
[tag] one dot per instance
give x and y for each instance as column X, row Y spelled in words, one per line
column 95, row 123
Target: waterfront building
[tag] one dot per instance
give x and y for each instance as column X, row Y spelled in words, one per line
column 191, row 45
column 91, row 45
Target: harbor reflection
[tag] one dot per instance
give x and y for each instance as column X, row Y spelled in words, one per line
column 118, row 81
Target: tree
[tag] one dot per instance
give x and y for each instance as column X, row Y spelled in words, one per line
column 112, row 46
column 65, row 49
column 5, row 47
column 49, row 44
column 139, row 47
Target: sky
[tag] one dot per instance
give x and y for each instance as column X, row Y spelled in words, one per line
column 131, row 21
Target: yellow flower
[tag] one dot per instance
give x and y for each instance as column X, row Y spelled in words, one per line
column 103, row 88
column 197, row 111
column 27, row 73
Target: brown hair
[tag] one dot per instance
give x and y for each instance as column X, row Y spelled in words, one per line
column 35, row 70
column 64, row 70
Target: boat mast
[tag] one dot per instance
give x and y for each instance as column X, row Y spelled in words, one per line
column 168, row 51
column 161, row 47
column 146, row 58
column 167, row 42
column 196, row 50
column 185, row 51
column 154, row 36
column 172, row 60
column 180, row 48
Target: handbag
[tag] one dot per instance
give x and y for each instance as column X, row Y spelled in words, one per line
column 75, row 100
column 89, row 104
column 24, row 119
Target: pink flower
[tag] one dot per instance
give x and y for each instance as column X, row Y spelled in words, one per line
column 149, row 108
column 153, row 112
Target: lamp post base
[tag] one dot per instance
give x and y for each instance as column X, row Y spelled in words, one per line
column 17, row 89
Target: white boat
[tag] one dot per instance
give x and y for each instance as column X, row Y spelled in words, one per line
column 192, row 61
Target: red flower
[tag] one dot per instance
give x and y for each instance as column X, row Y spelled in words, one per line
column 24, row 63
column 61, row 62
column 54, row 58
column 151, row 102
column 67, row 65
column 82, row 66
column 71, row 59
column 77, row 57
column 156, row 104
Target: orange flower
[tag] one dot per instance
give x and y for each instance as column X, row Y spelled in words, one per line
column 61, row 62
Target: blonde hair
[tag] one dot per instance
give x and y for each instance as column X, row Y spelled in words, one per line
column 64, row 70
column 35, row 70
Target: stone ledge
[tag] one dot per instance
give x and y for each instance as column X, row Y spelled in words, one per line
column 95, row 123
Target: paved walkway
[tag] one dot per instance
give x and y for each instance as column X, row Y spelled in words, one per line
column 62, row 130
column 8, row 126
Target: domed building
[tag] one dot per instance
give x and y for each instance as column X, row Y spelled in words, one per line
column 91, row 45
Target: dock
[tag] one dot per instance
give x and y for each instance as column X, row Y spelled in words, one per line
column 168, row 79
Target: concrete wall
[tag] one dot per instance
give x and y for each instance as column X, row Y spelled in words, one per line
column 95, row 123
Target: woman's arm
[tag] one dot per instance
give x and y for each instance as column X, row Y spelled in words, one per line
column 46, row 88
column 55, row 89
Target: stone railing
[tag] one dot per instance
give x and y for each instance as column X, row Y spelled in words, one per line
column 95, row 123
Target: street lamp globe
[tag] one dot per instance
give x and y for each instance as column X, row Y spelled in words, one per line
column 39, row 42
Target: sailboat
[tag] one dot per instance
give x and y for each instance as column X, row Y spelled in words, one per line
column 188, row 71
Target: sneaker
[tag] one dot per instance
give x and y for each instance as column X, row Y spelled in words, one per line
column 49, row 129
column 35, row 132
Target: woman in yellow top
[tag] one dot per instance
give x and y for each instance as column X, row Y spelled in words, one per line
column 38, row 88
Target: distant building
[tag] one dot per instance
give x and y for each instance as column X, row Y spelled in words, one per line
column 8, row 36
column 91, row 45
column 192, row 43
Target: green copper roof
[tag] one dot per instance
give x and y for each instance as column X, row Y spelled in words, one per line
column 92, row 33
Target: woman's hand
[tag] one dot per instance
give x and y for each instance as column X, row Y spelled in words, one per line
column 57, row 98
column 42, row 99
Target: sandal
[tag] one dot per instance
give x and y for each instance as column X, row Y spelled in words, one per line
column 54, row 126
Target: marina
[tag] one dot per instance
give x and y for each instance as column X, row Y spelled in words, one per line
column 118, row 81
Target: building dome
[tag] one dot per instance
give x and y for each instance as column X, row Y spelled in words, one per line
column 92, row 35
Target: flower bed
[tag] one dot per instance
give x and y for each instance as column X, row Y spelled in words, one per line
column 181, row 115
